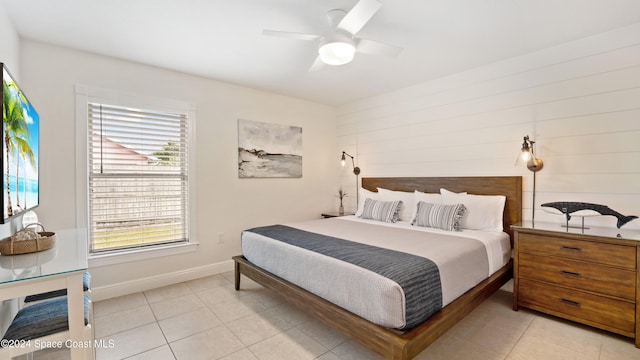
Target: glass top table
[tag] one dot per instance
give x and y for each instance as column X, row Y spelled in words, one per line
column 69, row 254
column 60, row 267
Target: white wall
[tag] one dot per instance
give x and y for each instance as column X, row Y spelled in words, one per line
column 579, row 101
column 224, row 202
column 9, row 44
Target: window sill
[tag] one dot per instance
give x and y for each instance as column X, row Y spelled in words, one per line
column 141, row 254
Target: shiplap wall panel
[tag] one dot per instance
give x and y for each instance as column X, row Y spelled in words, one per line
column 569, row 53
column 580, row 101
column 571, row 183
column 547, row 101
column 612, row 121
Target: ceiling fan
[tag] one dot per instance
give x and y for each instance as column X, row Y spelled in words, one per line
column 338, row 45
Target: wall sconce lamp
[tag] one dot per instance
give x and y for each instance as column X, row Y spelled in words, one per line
column 356, row 171
column 534, row 164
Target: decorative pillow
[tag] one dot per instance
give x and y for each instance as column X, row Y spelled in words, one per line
column 386, row 211
column 445, row 217
column 432, row 198
column 365, row 194
column 484, row 212
column 407, row 198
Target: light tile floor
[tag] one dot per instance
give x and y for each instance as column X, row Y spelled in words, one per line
column 208, row 319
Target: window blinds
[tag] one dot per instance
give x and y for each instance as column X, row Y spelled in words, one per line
column 138, row 177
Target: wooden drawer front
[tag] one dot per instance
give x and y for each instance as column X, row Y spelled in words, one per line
column 608, row 254
column 609, row 312
column 578, row 274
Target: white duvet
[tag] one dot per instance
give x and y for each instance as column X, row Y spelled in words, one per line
column 463, row 258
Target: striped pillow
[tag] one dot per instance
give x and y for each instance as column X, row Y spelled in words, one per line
column 445, row 217
column 386, row 211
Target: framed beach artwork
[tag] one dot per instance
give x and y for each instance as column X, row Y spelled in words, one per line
column 269, row 150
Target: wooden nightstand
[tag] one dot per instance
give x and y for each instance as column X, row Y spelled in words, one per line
column 589, row 277
column 334, row 214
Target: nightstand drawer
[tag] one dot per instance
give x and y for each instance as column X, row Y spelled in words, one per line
column 608, row 254
column 578, row 274
column 577, row 305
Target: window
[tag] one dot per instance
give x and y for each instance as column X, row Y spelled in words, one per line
column 138, row 177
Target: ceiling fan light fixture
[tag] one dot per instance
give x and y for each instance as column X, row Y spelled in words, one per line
column 337, row 52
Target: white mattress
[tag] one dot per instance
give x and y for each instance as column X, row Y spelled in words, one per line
column 463, row 258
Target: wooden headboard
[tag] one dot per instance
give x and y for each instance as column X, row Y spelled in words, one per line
column 510, row 186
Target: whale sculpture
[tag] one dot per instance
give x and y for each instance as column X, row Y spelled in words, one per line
column 568, row 208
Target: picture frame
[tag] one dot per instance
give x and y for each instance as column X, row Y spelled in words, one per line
column 267, row 150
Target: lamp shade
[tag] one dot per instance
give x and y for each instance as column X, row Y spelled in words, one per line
column 526, row 151
column 337, row 53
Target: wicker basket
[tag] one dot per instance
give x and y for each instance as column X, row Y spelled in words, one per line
column 27, row 241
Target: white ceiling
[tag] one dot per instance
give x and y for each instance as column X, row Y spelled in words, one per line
column 221, row 39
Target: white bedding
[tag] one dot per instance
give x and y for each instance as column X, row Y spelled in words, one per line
column 365, row 293
column 497, row 243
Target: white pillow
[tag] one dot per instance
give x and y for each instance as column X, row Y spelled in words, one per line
column 484, row 212
column 431, row 198
column 408, row 203
column 363, row 195
column 445, row 191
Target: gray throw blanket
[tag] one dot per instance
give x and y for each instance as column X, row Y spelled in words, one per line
column 418, row 277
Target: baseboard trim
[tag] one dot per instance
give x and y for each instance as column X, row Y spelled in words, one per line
column 156, row 281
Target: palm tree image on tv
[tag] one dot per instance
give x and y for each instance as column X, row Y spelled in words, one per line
column 20, row 130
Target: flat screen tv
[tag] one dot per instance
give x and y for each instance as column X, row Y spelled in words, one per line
column 20, row 150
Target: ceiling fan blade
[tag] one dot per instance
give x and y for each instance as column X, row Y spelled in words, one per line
column 359, row 15
column 317, row 64
column 291, row 35
column 377, row 48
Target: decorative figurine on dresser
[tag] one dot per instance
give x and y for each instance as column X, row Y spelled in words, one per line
column 587, row 275
column 582, row 209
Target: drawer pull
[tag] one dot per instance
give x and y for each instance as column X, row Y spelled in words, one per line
column 570, row 273
column 570, row 248
column 569, row 302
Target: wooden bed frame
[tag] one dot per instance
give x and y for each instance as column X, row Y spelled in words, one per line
column 391, row 343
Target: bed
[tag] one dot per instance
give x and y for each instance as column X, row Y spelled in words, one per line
column 377, row 334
